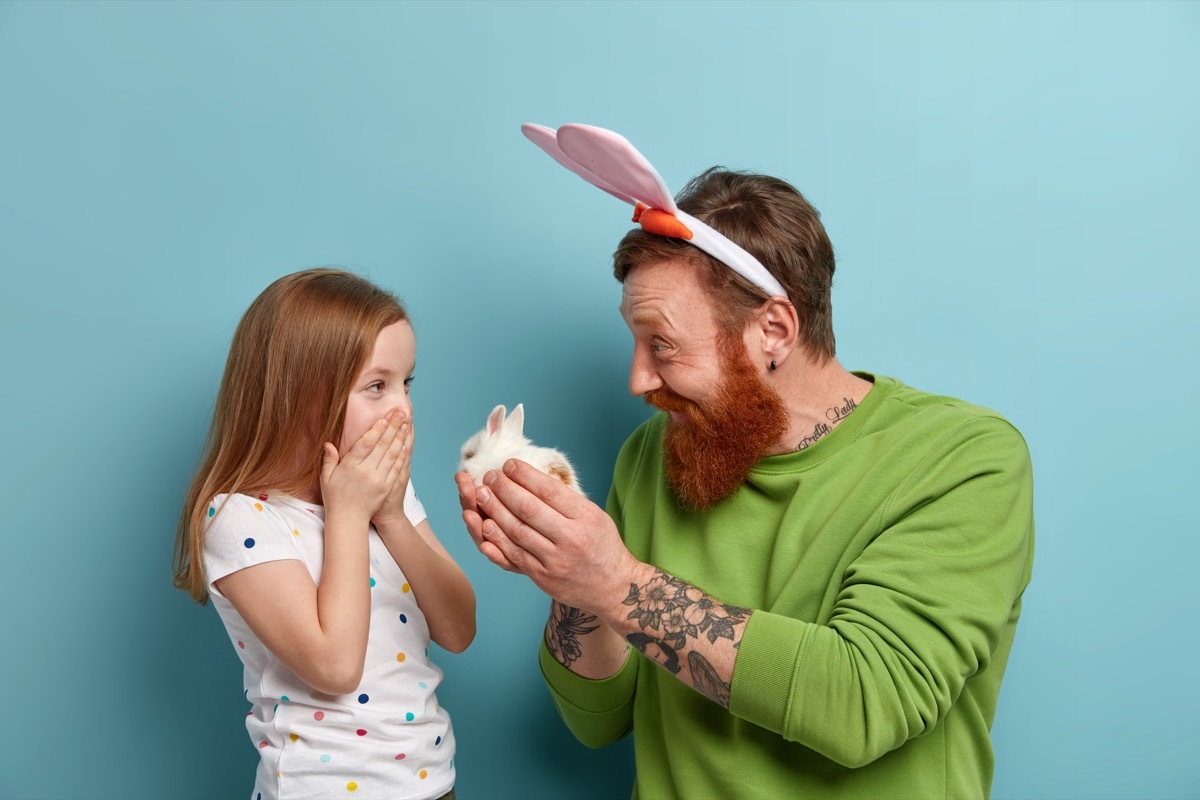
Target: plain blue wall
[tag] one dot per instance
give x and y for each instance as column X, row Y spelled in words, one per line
column 1011, row 188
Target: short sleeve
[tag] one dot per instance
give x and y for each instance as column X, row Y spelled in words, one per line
column 412, row 506
column 242, row 532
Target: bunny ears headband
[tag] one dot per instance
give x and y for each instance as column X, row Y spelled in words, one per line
column 608, row 161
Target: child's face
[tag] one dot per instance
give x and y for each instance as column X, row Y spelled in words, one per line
column 382, row 384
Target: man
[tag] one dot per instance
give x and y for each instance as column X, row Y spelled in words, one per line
column 807, row 580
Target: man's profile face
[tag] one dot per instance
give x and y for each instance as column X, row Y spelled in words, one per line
column 724, row 417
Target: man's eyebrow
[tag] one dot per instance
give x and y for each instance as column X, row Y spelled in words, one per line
column 649, row 319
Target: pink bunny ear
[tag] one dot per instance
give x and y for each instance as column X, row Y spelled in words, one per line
column 495, row 420
column 607, row 160
column 611, row 156
column 545, row 138
column 516, row 420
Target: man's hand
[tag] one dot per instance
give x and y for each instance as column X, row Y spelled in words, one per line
column 528, row 522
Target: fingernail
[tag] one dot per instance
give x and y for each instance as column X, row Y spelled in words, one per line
column 483, row 496
column 489, row 478
column 509, row 467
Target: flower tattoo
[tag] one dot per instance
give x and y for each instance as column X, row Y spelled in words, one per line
column 672, row 613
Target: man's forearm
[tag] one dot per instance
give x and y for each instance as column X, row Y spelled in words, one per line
column 683, row 630
column 583, row 644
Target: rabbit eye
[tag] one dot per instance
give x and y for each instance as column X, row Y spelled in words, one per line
column 468, row 454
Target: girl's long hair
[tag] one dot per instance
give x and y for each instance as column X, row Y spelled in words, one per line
column 291, row 364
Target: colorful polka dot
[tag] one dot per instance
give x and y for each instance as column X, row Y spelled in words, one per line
column 296, row 532
column 406, row 588
column 325, row 758
column 436, row 741
column 404, row 619
column 351, row 786
column 362, row 698
column 262, row 497
column 361, row 732
column 276, row 708
column 400, row 657
column 318, row 716
column 423, row 684
column 286, row 699
column 211, row 511
column 249, row 543
column 422, row 774
column 258, row 506
column 294, row 736
column 410, row 716
column 372, row 583
column 262, row 745
column 400, row 756
column 241, row 644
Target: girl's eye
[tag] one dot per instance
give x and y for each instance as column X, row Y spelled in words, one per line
column 408, row 383
column 377, row 386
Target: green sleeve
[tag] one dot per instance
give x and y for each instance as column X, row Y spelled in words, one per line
column 918, row 613
column 597, row 712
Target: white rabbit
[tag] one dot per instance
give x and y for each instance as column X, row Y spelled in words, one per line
column 503, row 438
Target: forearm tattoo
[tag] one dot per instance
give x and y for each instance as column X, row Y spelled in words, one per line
column 673, row 614
column 563, row 630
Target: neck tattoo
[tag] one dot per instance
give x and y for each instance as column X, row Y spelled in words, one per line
column 835, row 415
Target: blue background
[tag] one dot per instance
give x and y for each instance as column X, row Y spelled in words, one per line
column 1011, row 189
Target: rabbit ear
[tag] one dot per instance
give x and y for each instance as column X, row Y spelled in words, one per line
column 495, row 420
column 544, row 138
column 516, row 420
column 611, row 157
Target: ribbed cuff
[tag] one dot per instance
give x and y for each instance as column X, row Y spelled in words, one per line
column 771, row 649
column 593, row 696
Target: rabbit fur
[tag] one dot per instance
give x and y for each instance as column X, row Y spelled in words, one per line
column 503, row 438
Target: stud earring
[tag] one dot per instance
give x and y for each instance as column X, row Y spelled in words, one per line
column 772, row 366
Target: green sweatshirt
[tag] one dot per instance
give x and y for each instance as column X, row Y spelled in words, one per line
column 885, row 566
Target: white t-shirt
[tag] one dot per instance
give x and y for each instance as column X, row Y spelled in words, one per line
column 386, row 739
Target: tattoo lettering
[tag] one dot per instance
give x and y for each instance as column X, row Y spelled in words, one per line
column 563, row 630
column 834, row 415
column 839, row 413
column 818, row 432
column 672, row 614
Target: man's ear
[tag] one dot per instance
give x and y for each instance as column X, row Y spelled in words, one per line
column 778, row 328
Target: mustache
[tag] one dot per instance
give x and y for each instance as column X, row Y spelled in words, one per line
column 666, row 400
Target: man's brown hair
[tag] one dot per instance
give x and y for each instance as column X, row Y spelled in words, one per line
column 769, row 219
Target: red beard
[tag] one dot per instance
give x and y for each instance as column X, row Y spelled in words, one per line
column 709, row 455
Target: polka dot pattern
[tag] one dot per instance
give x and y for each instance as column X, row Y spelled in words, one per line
column 248, row 539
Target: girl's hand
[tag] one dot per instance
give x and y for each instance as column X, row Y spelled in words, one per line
column 393, row 507
column 361, row 481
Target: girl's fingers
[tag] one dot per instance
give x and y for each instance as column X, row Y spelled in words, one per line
column 366, row 443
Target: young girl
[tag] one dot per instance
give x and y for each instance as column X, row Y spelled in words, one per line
column 303, row 526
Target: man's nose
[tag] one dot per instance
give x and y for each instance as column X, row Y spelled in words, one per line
column 643, row 377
